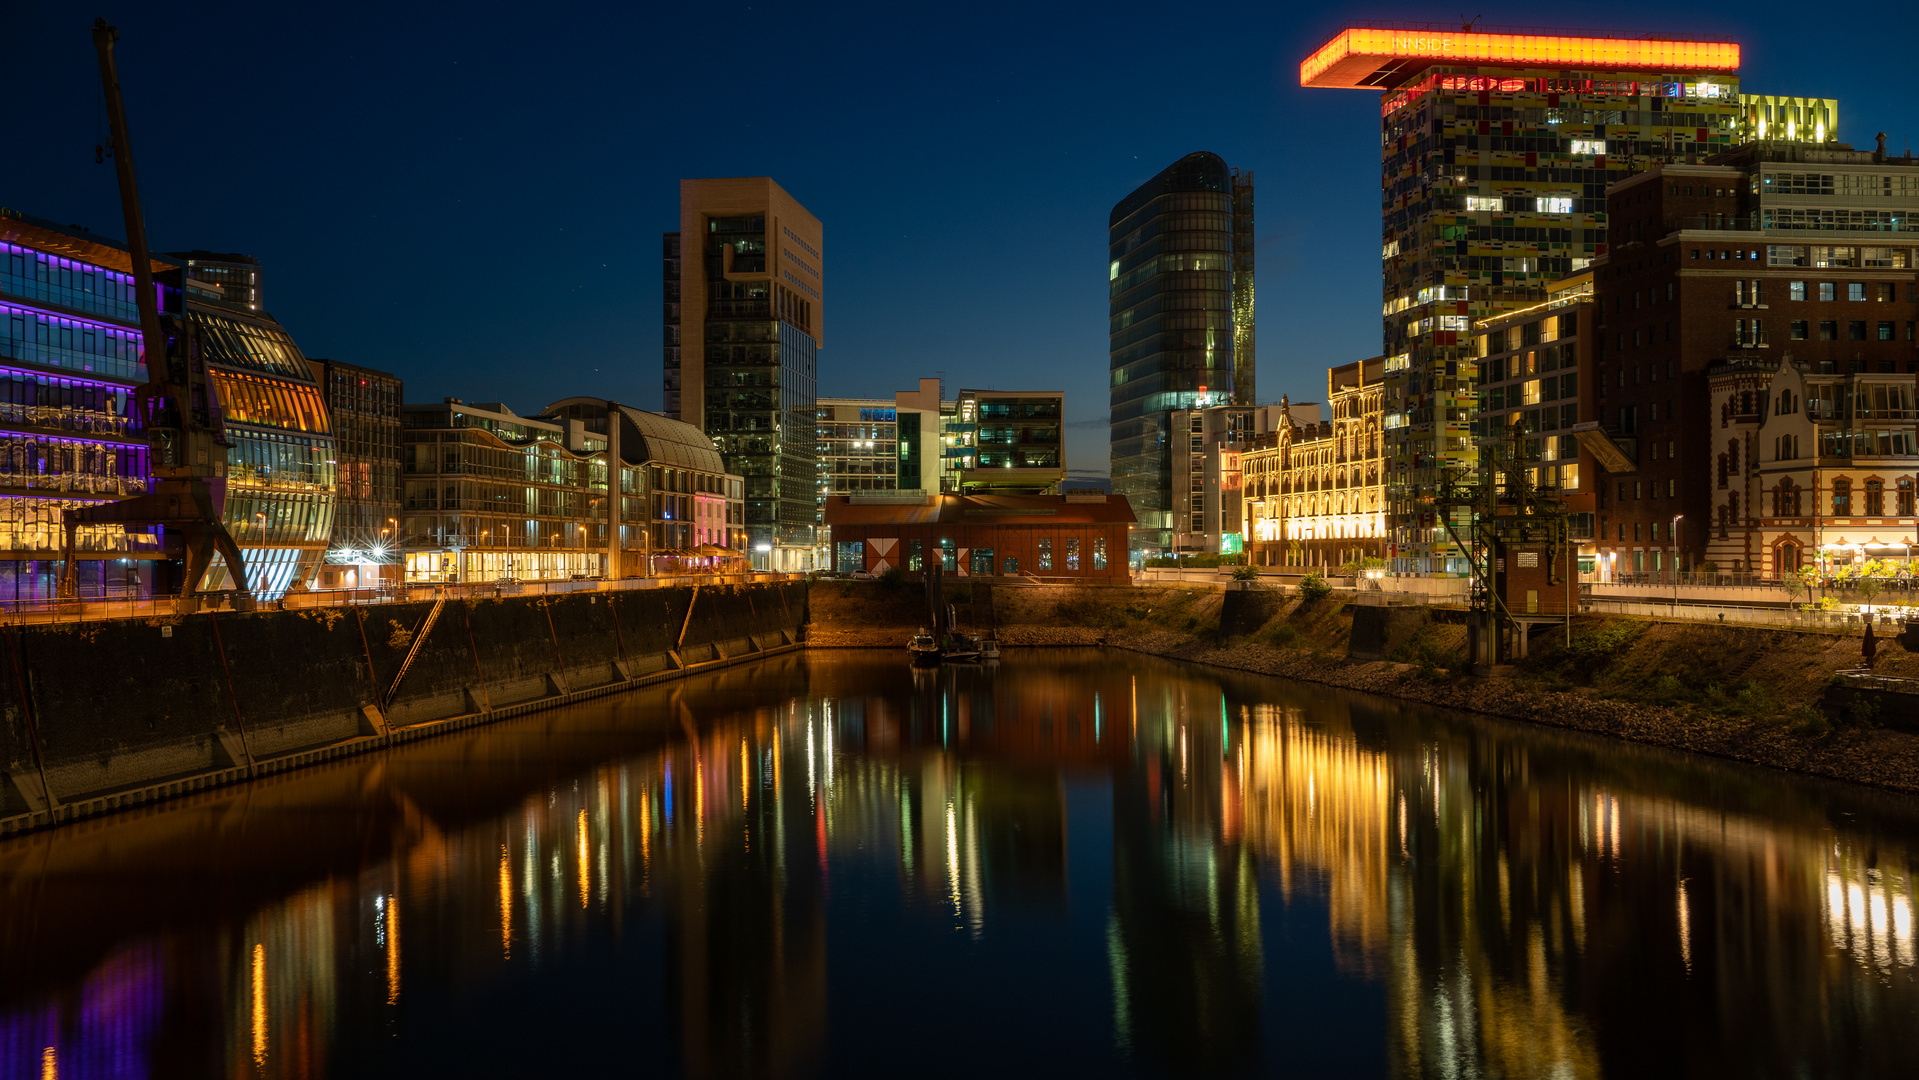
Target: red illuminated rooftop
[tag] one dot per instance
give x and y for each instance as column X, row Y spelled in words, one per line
column 1378, row 58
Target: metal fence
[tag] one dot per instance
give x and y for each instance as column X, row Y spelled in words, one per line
column 95, row 609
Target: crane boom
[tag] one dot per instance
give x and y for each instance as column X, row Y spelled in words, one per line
column 174, row 408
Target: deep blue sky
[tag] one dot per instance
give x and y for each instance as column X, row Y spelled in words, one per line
column 473, row 197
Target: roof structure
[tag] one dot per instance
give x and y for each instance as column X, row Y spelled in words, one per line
column 72, row 242
column 950, row 509
column 1379, row 58
column 664, row 439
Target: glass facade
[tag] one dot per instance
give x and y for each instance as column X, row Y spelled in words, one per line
column 1493, row 183
column 282, row 459
column 364, row 406
column 70, row 357
column 742, row 294
column 760, row 376
column 1180, row 280
column 490, row 496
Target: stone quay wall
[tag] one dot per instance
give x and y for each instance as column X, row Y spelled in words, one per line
column 98, row 716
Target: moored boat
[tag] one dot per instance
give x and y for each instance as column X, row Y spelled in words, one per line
column 923, row 648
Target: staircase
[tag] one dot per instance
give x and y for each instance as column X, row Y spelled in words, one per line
column 413, row 650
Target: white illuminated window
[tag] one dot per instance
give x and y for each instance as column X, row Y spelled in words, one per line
column 1589, row 146
column 1485, row 202
column 1556, row 204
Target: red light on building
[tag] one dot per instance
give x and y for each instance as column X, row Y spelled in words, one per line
column 1369, row 59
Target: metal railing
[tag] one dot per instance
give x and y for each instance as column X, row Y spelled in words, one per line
column 127, row 606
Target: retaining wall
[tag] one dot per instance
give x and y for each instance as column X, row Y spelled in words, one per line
column 130, row 710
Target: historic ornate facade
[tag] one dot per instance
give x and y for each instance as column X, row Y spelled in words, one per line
column 1315, row 493
column 1810, row 467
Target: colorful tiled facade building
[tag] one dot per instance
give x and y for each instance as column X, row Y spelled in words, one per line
column 1496, row 153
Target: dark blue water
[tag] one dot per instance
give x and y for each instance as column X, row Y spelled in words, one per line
column 1077, row 863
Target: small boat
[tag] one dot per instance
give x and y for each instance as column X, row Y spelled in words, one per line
column 923, row 649
column 960, row 648
column 989, row 648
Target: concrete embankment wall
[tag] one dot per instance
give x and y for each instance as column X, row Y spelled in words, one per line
column 95, row 716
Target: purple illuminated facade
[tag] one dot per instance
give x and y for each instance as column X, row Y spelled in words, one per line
column 70, row 357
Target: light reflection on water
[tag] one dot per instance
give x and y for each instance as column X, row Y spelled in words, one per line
column 1077, row 862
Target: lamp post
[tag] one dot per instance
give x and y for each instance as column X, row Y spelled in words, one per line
column 1675, row 563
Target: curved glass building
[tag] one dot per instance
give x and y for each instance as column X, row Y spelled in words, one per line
column 1180, row 273
column 281, row 461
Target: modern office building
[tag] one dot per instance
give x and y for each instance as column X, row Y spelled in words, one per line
column 229, row 277
column 494, row 496
column 1496, row 152
column 364, row 405
column 1007, row 441
column 1180, row 279
column 744, row 309
column 70, row 358
column 1756, row 336
column 677, row 496
column 858, row 445
column 282, row 460
column 73, row 357
column 1315, row 488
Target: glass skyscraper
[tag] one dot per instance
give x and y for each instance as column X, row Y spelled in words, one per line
column 744, row 306
column 1180, row 273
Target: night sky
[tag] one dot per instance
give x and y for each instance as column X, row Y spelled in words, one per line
column 473, row 197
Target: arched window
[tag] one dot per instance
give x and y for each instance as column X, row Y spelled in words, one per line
column 1875, row 498
column 1904, row 489
column 1722, row 470
column 1745, row 403
column 1788, row 560
column 1732, row 456
column 1842, row 497
column 1732, row 507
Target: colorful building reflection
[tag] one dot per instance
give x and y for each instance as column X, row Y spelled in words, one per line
column 1518, row 903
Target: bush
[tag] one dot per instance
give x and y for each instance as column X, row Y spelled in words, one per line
column 1313, row 587
column 1282, row 635
column 1807, row 720
column 1594, row 649
column 892, row 579
column 1245, row 573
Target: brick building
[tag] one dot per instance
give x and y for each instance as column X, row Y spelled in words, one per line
column 1076, row 537
column 1791, row 262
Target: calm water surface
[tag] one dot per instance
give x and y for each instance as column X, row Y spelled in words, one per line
column 1077, row 863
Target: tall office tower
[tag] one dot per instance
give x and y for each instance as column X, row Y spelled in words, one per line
column 1496, row 150
column 743, row 293
column 1181, row 283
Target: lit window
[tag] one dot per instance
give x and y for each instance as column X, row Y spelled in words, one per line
column 1485, row 202
column 1589, row 146
column 1555, row 205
